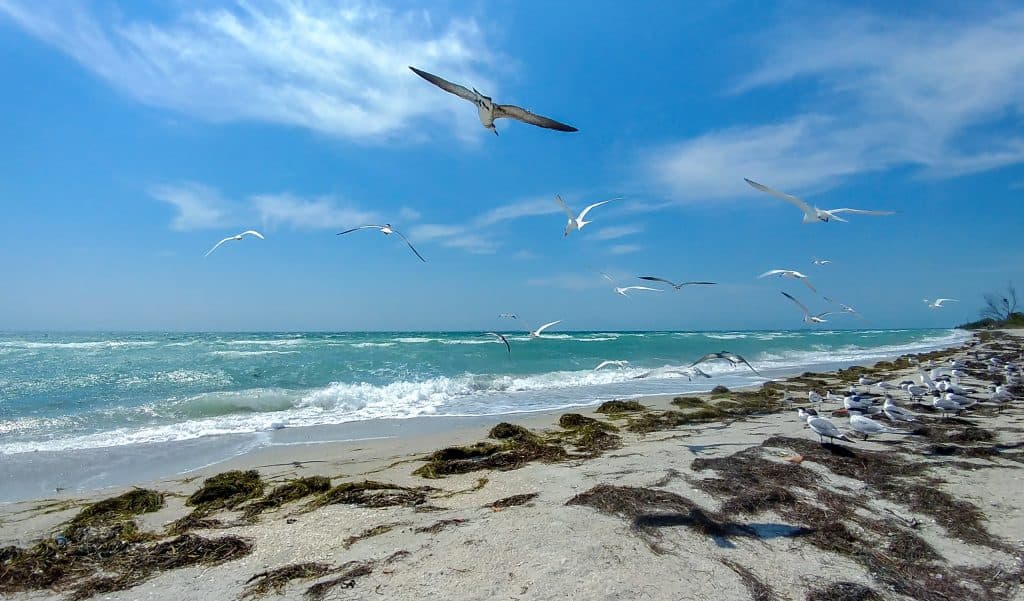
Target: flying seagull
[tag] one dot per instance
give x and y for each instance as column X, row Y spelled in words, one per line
column 620, row 364
column 536, row 333
column 236, row 237
column 817, row 261
column 808, row 318
column 508, row 316
column 814, row 214
column 679, row 286
column 623, row 290
column 387, row 230
column 931, row 305
column 577, row 222
column 489, row 111
column 501, row 338
column 845, row 308
column 732, row 358
column 788, row 273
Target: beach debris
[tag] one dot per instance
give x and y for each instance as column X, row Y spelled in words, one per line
column 795, row 458
column 758, row 589
column 844, row 591
column 438, row 526
column 371, row 493
column 371, row 532
column 348, row 572
column 277, row 579
column 513, row 501
column 288, row 492
column 518, row 447
column 616, row 406
column 227, row 490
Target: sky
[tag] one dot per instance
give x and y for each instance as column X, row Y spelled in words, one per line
column 135, row 135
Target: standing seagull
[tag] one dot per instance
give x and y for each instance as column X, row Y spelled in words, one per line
column 489, row 111
column 939, row 302
column 679, row 286
column 577, row 222
column 732, row 358
column 808, row 318
column 788, row 273
column 236, row 237
column 501, row 338
column 387, row 230
column 536, row 333
column 825, row 429
column 814, row 214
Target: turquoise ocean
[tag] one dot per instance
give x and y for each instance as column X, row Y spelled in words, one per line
column 64, row 393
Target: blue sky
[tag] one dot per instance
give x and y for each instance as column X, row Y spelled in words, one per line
column 136, row 135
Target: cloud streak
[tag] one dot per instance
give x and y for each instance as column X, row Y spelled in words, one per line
column 884, row 93
column 198, row 206
column 338, row 68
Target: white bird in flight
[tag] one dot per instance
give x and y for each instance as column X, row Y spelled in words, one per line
column 387, row 230
column 576, row 222
column 679, row 286
column 938, row 303
column 501, row 338
column 623, row 290
column 814, row 214
column 808, row 318
column 620, row 364
column 536, row 333
column 508, row 316
column 732, row 358
column 235, row 237
column 489, row 111
column 845, row 308
column 817, row 261
column 789, row 273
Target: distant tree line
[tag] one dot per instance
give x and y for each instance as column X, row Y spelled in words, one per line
column 1000, row 311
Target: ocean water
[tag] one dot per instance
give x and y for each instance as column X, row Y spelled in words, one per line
column 71, row 392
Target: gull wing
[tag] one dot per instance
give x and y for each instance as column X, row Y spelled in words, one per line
column 733, row 357
column 546, row 326
column 807, row 283
column 447, row 86
column 773, row 272
column 217, row 245
column 503, row 339
column 939, row 301
column 798, row 303
column 793, row 200
column 521, row 114
column 565, row 207
column 252, row 233
column 607, row 277
column 861, row 212
column 697, row 284
column 647, row 288
column 603, row 364
column 362, row 227
column 707, row 357
column 411, row 247
column 584, row 212
column 651, row 278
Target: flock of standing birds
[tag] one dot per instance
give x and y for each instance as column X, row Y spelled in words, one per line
column 944, row 387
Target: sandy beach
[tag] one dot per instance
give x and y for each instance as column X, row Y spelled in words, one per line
column 717, row 496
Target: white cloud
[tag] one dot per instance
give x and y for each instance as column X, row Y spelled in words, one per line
column 517, row 210
column 339, row 68
column 568, row 281
column 300, row 213
column 474, row 236
column 624, row 249
column 616, row 231
column 884, row 93
column 198, row 206
column 409, row 214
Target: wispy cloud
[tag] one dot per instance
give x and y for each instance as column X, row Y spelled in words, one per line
column 476, row 235
column 886, row 93
column 616, row 231
column 624, row 249
column 568, row 281
column 198, row 206
column 300, row 213
column 338, row 68
column 409, row 214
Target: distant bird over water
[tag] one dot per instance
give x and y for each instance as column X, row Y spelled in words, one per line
column 387, row 230
column 576, row 222
column 814, row 214
column 489, row 111
column 679, row 286
column 619, row 363
column 819, row 262
column 235, row 237
column 939, row 302
column 536, row 333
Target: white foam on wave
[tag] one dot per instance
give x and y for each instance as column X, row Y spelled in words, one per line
column 266, row 342
column 96, row 344
column 372, row 344
column 243, row 354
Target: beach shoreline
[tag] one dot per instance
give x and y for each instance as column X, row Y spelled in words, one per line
column 638, row 460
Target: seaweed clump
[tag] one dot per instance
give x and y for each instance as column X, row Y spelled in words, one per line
column 514, row 500
column 616, row 406
column 519, row 446
column 227, row 490
column 371, row 493
column 844, row 591
column 276, row 579
column 288, row 492
column 758, row 589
